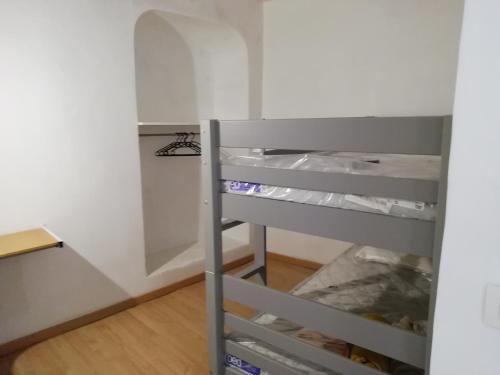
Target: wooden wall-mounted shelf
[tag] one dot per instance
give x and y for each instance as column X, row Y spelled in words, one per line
column 27, row 241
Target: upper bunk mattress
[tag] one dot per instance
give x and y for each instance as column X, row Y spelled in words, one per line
column 399, row 166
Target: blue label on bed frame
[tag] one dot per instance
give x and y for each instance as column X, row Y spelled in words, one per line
column 245, row 186
column 240, row 364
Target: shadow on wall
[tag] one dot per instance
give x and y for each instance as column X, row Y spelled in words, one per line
column 186, row 69
column 165, row 78
column 35, row 289
column 221, row 67
column 209, row 57
column 170, row 194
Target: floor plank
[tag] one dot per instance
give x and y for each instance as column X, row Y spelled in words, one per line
column 165, row 336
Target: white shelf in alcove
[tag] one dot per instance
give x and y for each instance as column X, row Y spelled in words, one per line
column 158, row 128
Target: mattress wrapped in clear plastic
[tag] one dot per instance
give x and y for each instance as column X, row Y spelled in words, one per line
column 361, row 283
column 402, row 166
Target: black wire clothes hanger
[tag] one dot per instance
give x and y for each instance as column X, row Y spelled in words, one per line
column 184, row 141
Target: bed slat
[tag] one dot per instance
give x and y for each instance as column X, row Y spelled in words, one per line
column 324, row 358
column 388, row 232
column 392, row 135
column 379, row 337
column 375, row 186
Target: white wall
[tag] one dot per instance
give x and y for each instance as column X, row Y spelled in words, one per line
column 362, row 57
column 165, row 78
column 186, row 69
column 171, row 189
column 471, row 256
column 354, row 58
column 166, row 92
column 69, row 155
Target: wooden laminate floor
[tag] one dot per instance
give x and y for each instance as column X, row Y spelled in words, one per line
column 164, row 336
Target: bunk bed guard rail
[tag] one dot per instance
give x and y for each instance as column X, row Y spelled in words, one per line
column 391, row 135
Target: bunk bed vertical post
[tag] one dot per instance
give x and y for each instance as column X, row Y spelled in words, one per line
column 213, row 244
column 258, row 241
column 439, row 230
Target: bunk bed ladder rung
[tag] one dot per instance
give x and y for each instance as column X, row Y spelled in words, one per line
column 374, row 186
column 388, row 232
column 324, row 358
column 390, row 341
column 391, row 135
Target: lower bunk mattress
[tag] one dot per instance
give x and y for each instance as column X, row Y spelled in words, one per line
column 398, row 166
column 375, row 283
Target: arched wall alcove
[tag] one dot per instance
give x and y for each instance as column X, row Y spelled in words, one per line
column 221, row 70
column 165, row 81
column 187, row 69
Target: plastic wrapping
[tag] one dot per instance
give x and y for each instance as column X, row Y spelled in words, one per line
column 387, row 206
column 420, row 264
column 372, row 164
column 399, row 295
column 424, row 167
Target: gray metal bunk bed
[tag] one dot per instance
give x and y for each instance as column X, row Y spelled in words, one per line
column 390, row 135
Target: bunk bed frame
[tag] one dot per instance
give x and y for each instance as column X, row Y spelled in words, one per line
column 392, row 135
